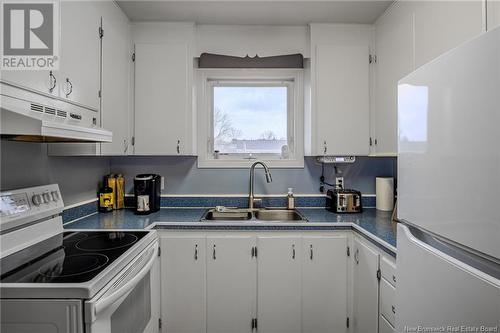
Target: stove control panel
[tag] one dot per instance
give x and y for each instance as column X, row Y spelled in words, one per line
column 30, row 204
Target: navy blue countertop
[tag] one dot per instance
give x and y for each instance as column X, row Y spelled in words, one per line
column 373, row 224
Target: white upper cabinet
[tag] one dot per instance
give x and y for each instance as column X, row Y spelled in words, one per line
column 116, row 65
column 340, row 90
column 408, row 35
column 79, row 72
column 163, row 99
column 394, row 38
column 324, row 284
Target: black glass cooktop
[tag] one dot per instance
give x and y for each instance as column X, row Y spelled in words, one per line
column 70, row 257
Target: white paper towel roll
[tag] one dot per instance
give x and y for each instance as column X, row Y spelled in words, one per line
column 385, row 193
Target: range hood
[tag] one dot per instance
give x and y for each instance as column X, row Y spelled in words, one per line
column 28, row 115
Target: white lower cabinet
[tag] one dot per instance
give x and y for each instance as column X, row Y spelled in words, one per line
column 183, row 269
column 231, row 284
column 324, row 284
column 279, row 282
column 365, row 287
column 270, row 282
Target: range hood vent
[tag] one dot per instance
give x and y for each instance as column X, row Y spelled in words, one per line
column 28, row 115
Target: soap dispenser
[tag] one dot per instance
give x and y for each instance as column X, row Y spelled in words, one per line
column 290, row 202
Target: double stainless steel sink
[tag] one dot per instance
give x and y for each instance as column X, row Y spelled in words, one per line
column 256, row 215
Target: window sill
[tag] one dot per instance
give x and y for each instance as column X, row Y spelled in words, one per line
column 245, row 164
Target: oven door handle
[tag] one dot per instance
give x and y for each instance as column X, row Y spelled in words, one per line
column 102, row 303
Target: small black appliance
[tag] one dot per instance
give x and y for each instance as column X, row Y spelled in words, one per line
column 147, row 193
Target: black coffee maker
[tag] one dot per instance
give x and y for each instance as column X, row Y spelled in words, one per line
column 147, row 192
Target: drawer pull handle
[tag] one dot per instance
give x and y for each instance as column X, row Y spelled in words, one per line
column 53, row 82
column 356, row 256
column 311, row 252
column 196, row 252
column 293, row 251
column 213, row 253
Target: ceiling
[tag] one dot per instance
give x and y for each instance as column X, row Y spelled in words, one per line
column 256, row 12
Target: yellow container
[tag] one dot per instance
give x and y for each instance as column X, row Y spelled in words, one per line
column 120, row 192
column 112, row 185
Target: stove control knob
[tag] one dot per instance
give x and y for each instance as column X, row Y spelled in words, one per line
column 47, row 198
column 36, row 199
column 55, row 195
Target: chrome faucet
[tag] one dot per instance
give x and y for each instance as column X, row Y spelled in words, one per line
column 269, row 178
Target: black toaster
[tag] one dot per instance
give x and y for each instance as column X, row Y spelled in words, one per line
column 344, row 201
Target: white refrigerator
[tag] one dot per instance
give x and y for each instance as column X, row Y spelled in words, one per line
column 448, row 260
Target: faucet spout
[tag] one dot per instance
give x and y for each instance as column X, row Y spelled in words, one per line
column 269, row 179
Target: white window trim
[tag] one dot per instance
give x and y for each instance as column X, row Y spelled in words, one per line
column 205, row 77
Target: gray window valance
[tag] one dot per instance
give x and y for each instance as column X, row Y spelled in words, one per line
column 209, row 60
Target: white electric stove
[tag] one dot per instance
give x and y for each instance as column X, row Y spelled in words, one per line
column 53, row 280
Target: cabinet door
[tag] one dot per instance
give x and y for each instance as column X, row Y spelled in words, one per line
column 279, row 283
column 116, row 60
column 162, row 99
column 324, row 284
column 80, row 52
column 394, row 39
column 183, row 268
column 231, row 284
column 342, row 100
column 365, row 288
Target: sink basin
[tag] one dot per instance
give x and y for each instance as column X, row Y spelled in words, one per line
column 232, row 215
column 282, row 215
column 269, row 215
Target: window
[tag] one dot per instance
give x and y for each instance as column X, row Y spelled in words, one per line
column 249, row 115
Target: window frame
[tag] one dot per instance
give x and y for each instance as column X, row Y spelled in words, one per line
column 210, row 78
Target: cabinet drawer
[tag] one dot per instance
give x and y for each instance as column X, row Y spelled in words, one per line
column 387, row 306
column 384, row 326
column 388, row 270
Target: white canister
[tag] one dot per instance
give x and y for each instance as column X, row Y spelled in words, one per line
column 385, row 193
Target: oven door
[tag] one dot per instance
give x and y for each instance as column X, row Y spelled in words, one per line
column 131, row 302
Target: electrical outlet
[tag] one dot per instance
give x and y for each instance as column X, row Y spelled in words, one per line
column 339, row 182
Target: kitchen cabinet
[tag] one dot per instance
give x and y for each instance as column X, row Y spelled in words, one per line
column 279, row 284
column 239, row 282
column 408, row 35
column 394, row 38
column 365, row 287
column 231, row 284
column 183, row 293
column 79, row 72
column 116, row 65
column 163, row 99
column 324, row 284
column 341, row 99
column 115, row 55
column 78, row 78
